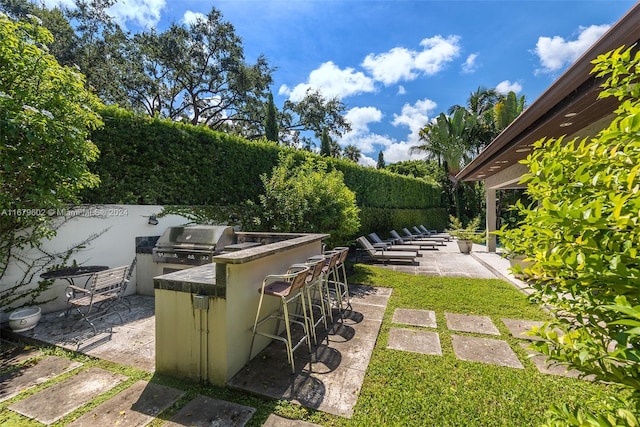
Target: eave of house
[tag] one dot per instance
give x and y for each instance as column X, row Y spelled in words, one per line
column 570, row 106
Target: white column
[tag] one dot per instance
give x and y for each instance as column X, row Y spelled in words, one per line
column 491, row 218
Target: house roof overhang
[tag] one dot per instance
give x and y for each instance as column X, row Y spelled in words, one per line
column 570, row 106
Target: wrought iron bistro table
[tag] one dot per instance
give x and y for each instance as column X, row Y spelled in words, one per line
column 71, row 273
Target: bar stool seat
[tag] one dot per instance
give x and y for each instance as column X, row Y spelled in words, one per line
column 289, row 288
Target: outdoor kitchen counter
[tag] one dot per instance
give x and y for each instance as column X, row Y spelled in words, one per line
column 253, row 253
column 205, row 314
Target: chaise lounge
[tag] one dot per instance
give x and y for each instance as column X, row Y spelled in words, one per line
column 407, row 246
column 385, row 255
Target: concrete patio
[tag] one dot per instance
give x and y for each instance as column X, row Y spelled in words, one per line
column 328, row 380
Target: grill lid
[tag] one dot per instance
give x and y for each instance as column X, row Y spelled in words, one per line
column 197, row 238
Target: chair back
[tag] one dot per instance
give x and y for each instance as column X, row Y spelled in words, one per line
column 298, row 277
column 407, row 232
column 344, row 252
column 332, row 257
column 395, row 235
column 366, row 245
column 417, row 230
column 315, row 265
column 112, row 280
column 375, row 238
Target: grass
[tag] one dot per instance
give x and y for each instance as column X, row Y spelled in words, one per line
column 402, row 388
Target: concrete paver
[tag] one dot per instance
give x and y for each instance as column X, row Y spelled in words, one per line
column 550, row 368
column 137, row 405
column 415, row 341
column 205, row 411
column 485, row 350
column 519, row 328
column 276, row 421
column 22, row 379
column 11, row 354
column 423, row 318
column 470, row 323
column 53, row 403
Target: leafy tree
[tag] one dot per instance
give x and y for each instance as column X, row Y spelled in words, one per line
column 381, row 163
column 351, row 152
column 198, row 75
column 507, row 109
column 307, row 198
column 445, row 140
column 325, row 144
column 314, row 114
column 582, row 232
column 271, row 122
column 46, row 114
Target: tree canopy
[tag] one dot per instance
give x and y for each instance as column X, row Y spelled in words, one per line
column 46, row 115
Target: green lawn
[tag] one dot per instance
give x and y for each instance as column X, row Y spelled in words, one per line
column 402, row 388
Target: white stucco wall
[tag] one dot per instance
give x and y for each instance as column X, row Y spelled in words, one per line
column 119, row 225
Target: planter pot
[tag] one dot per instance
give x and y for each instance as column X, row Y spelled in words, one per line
column 24, row 319
column 465, row 246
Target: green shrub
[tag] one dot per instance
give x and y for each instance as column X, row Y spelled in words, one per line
column 583, row 232
column 307, row 198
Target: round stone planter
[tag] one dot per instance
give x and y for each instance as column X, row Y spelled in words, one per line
column 24, row 319
column 465, row 246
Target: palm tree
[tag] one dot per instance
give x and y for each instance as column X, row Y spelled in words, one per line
column 446, row 140
column 507, row 109
column 352, row 153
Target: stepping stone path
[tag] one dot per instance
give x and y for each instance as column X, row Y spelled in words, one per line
column 148, row 399
column 23, row 379
column 53, row 403
column 485, row 350
column 204, row 412
column 469, row 348
column 475, row 324
column 415, row 341
column 138, row 404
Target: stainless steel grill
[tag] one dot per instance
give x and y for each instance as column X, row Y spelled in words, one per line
column 193, row 244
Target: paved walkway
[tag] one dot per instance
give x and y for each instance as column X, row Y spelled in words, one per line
column 329, row 380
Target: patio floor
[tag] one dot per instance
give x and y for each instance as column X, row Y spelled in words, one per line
column 328, row 380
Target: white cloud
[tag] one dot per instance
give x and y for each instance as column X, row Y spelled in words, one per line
column 437, row 53
column 470, row 65
column 400, row 151
column 556, row 52
column 332, row 82
column 145, row 13
column 190, row 17
column 402, row 64
column 360, row 117
column 391, row 67
column 506, row 86
column 401, row 90
column 415, row 117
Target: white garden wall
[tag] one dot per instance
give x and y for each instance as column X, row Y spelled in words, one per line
column 119, row 225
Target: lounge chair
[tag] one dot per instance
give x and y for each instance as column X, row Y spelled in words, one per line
column 384, row 255
column 424, row 232
column 407, row 246
column 414, row 237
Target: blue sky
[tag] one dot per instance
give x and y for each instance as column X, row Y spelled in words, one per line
column 396, row 64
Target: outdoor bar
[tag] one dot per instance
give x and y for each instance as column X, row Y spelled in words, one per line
column 204, row 314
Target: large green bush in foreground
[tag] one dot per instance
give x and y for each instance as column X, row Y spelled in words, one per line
column 583, row 232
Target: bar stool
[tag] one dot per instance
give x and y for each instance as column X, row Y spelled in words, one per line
column 340, row 285
column 316, row 293
column 329, row 277
column 288, row 288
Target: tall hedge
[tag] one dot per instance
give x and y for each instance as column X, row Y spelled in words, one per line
column 147, row 160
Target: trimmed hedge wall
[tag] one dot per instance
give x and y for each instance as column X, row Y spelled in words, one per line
column 147, row 160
